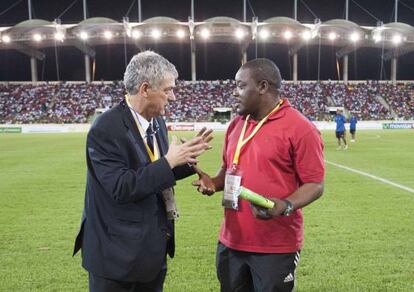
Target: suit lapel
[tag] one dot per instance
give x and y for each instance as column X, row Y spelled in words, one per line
column 133, row 133
column 162, row 137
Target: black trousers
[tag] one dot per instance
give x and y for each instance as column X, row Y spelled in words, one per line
column 99, row 284
column 240, row 271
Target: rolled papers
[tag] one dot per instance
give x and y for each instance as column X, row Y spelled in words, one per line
column 255, row 198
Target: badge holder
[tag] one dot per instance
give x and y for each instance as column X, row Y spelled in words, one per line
column 232, row 185
column 170, row 205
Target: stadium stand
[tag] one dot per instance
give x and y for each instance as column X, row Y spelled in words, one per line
column 77, row 102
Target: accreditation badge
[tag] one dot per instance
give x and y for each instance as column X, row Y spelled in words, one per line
column 232, row 185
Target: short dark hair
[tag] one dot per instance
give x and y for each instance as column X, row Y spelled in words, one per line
column 264, row 69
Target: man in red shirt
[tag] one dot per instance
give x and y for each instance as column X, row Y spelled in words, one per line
column 273, row 150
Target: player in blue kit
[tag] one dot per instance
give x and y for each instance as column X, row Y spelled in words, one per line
column 340, row 129
column 352, row 127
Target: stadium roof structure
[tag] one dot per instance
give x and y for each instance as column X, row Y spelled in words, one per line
column 392, row 34
column 222, row 29
column 274, row 29
column 31, row 35
column 159, row 29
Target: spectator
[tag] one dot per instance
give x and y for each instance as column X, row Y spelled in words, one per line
column 196, row 100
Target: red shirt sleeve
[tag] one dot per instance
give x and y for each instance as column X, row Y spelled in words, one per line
column 308, row 157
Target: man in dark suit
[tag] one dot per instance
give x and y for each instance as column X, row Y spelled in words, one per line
column 126, row 230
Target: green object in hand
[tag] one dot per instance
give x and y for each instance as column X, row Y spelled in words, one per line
column 255, row 198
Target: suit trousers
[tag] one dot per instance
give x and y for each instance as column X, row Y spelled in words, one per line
column 99, row 284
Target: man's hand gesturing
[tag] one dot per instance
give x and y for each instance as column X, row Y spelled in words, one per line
column 186, row 152
column 204, row 184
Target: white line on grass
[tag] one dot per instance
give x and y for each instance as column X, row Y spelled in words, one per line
column 386, row 181
column 374, row 137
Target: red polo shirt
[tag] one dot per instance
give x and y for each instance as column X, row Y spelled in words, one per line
column 284, row 154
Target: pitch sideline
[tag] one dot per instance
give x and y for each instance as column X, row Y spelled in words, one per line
column 383, row 180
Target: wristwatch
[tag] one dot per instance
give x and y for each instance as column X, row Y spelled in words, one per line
column 289, row 208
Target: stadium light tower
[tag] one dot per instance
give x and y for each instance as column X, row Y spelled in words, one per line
column 84, row 36
column 33, row 60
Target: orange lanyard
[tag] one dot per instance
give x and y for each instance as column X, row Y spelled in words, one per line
column 243, row 141
column 152, row 155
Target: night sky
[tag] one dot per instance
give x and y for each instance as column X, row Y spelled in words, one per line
column 214, row 61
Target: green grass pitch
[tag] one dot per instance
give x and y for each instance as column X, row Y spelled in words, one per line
column 358, row 237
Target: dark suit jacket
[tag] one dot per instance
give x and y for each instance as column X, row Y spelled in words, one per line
column 124, row 225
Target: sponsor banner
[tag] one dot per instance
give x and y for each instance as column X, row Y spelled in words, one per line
column 398, row 125
column 82, row 128
column 215, row 126
column 362, row 125
column 10, row 129
column 181, row 127
column 55, row 128
column 52, row 128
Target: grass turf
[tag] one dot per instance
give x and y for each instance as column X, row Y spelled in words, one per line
column 358, row 236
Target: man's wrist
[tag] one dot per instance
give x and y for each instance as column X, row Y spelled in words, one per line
column 170, row 161
column 289, row 208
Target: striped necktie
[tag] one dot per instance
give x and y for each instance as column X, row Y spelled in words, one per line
column 150, row 139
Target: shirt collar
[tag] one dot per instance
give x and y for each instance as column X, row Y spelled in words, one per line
column 280, row 112
column 141, row 120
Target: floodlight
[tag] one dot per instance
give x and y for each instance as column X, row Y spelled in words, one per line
column 37, row 37
column 136, row 34
column 264, row 34
column 354, row 37
column 287, row 35
column 306, row 35
column 396, row 39
column 239, row 33
column 180, row 33
column 377, row 37
column 84, row 35
column 108, row 34
column 156, row 33
column 205, row 33
column 6, row 39
column 59, row 36
column 332, row 36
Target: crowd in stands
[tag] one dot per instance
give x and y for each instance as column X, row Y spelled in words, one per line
column 400, row 98
column 77, row 102
column 55, row 103
column 308, row 98
column 196, row 100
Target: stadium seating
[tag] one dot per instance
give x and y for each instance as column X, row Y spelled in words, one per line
column 77, row 102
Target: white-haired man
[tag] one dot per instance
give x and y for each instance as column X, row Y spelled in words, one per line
column 127, row 224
